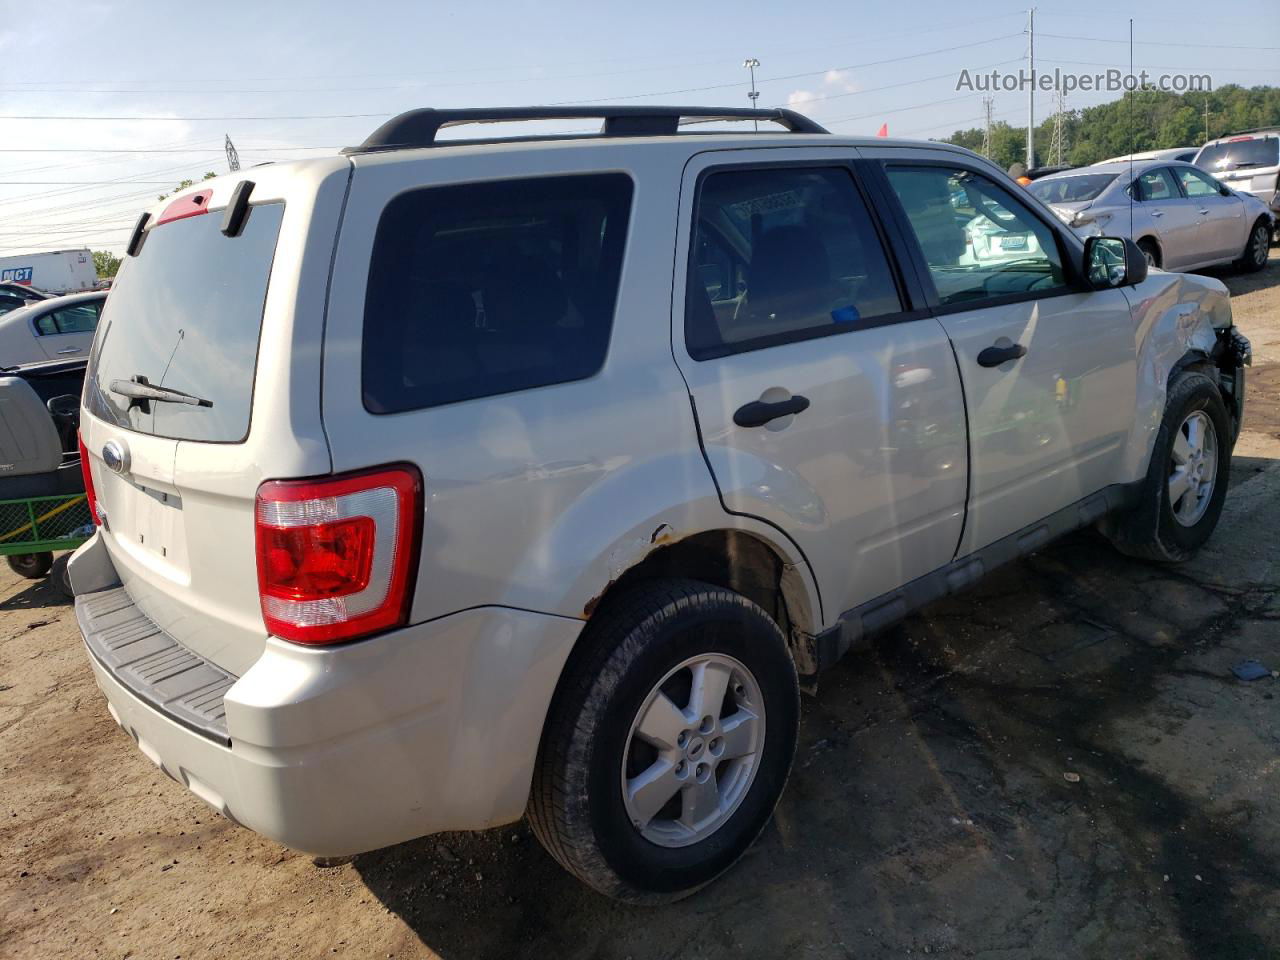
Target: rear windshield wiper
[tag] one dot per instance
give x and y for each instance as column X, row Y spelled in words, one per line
column 139, row 392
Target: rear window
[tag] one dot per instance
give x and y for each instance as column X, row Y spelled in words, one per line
column 1071, row 189
column 488, row 288
column 185, row 313
column 1239, row 154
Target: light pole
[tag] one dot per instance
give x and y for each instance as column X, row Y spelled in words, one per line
column 751, row 63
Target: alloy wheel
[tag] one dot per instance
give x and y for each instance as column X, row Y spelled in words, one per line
column 693, row 750
column 1193, row 468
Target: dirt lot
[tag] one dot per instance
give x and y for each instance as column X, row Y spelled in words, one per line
column 930, row 811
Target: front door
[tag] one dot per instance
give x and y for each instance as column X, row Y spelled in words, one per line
column 827, row 407
column 67, row 333
column 1222, row 224
column 1048, row 369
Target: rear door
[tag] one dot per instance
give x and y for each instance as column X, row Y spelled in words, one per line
column 1171, row 215
column 68, row 331
column 829, row 404
column 1049, row 370
column 233, row 321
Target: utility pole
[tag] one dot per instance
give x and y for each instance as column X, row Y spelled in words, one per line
column 1206, row 119
column 1031, row 88
column 751, row 63
column 987, row 104
column 1058, row 145
column 233, row 157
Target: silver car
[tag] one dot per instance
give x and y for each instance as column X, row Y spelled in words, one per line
column 1181, row 217
column 438, row 483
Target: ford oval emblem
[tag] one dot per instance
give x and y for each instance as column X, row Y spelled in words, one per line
column 115, row 456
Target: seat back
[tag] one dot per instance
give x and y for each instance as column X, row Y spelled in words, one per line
column 29, row 441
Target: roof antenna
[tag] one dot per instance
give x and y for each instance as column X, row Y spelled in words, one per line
column 1133, row 187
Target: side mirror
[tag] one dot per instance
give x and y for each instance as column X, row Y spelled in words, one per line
column 1113, row 262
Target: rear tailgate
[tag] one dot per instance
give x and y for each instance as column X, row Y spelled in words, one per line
column 236, row 323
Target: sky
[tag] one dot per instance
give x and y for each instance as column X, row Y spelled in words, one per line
column 162, row 83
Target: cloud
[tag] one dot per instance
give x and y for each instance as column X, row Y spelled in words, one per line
column 835, row 84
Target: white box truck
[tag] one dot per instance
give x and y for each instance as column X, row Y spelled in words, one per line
column 57, row 271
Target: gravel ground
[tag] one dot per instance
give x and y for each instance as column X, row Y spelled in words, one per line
column 1056, row 764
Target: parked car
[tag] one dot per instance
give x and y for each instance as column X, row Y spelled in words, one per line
column 1182, row 218
column 23, row 291
column 442, row 482
column 1248, row 162
column 53, row 329
column 1181, row 154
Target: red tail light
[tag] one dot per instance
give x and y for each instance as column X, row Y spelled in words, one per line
column 89, row 492
column 336, row 555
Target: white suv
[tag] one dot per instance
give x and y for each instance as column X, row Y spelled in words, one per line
column 443, row 482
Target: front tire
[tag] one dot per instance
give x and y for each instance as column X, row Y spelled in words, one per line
column 1257, row 249
column 669, row 742
column 1186, row 483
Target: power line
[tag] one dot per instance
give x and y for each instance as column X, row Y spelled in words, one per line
column 1159, row 43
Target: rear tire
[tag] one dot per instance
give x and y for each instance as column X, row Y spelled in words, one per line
column 1257, row 249
column 638, row 718
column 1167, row 525
column 1150, row 251
column 60, row 575
column 33, row 566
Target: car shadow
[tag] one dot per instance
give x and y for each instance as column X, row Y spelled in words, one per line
column 1241, row 283
column 928, row 810
column 41, row 593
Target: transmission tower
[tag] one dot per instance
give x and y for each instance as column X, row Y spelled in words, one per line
column 987, row 104
column 1058, row 144
column 233, row 158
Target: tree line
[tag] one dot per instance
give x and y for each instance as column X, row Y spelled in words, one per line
column 1140, row 120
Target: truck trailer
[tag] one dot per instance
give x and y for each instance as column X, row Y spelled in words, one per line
column 58, row 271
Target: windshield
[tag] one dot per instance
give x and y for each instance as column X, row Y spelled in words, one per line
column 1233, row 154
column 1071, row 189
column 185, row 313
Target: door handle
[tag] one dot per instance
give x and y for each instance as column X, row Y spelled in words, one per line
column 759, row 412
column 994, row 356
column 1157, row 213
column 63, row 353
column 1204, row 211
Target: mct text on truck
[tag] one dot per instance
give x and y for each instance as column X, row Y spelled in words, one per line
column 57, row 271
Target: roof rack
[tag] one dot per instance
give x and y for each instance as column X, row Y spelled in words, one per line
column 1237, row 133
column 419, row 128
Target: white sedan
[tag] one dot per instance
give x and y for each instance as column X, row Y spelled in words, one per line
column 59, row 328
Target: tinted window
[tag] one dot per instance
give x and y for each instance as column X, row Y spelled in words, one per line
column 1157, row 185
column 186, row 313
column 488, row 288
column 1254, row 152
column 1071, row 189
column 82, row 318
column 979, row 240
column 781, row 254
column 45, row 325
column 1195, row 183
column 10, row 303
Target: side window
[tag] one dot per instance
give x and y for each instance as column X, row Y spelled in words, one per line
column 1197, row 184
column 80, row 319
column 1157, row 185
column 46, row 325
column 979, row 240
column 781, row 254
column 487, row 288
column 10, row 303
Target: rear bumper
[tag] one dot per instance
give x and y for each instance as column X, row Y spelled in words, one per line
column 335, row 752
